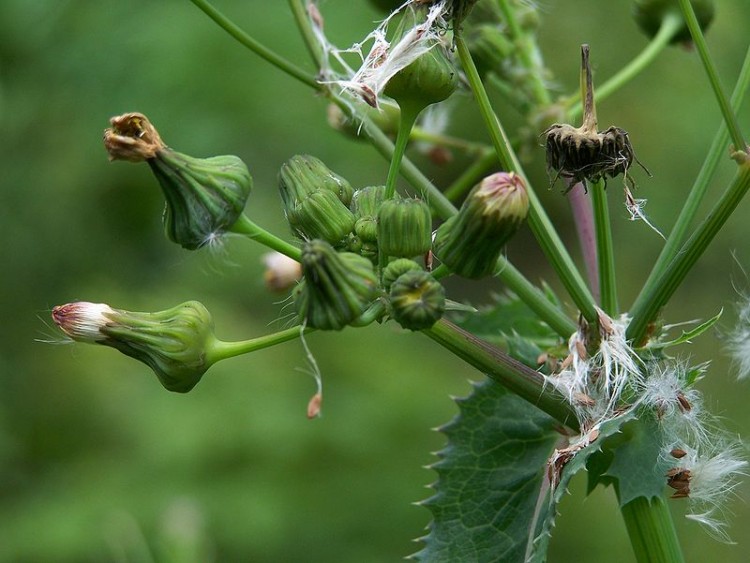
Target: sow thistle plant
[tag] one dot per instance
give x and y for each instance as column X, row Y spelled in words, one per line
column 594, row 387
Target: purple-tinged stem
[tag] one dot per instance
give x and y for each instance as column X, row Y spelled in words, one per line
column 583, row 216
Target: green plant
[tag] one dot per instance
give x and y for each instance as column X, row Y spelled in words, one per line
column 605, row 376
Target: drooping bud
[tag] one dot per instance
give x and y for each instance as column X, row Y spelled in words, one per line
column 175, row 343
column 429, row 79
column 404, row 227
column 205, row 196
column 650, row 14
column 396, row 269
column 470, row 242
column 337, row 286
column 315, row 200
column 417, row 300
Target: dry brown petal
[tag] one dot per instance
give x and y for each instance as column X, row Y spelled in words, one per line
column 132, row 138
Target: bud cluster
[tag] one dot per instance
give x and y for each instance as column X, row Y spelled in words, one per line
column 369, row 251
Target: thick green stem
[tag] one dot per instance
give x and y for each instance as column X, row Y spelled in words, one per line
column 255, row 46
column 651, row 531
column 653, row 298
column 713, row 76
column 222, row 350
column 515, row 376
column 716, row 152
column 669, row 26
column 604, row 249
column 244, row 226
column 408, row 117
column 540, row 224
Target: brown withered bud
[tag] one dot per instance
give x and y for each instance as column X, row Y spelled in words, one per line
column 583, row 154
column 132, row 137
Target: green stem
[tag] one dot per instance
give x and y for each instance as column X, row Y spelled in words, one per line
column 515, row 376
column 604, row 249
column 244, row 226
column 301, row 18
column 408, row 117
column 419, row 134
column 669, row 27
column 713, row 76
column 540, row 224
column 527, row 53
column 471, row 175
column 651, row 531
column 223, row 350
column 653, row 298
column 690, row 209
column 256, row 47
column 534, row 298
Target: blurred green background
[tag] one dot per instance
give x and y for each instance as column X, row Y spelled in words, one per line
column 99, row 463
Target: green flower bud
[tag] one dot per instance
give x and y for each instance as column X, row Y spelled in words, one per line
column 429, row 79
column 365, row 205
column 205, row 196
column 302, row 175
column 417, row 300
column 337, row 286
column 460, row 9
column 649, row 15
column 321, row 215
column 397, row 268
column 175, row 343
column 470, row 242
column 404, row 227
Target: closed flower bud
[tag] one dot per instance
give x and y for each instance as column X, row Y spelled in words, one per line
column 337, row 286
column 175, row 343
column 365, row 205
column 404, row 227
column 321, row 215
column 649, row 15
column 417, row 300
column 302, row 175
column 429, row 79
column 396, row 268
column 205, row 196
column 470, row 242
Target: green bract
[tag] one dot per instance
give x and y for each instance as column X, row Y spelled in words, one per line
column 404, row 227
column 337, row 286
column 205, row 196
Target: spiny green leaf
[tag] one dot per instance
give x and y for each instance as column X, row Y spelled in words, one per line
column 490, row 477
column 637, row 464
column 687, row 335
column 573, row 465
column 512, row 326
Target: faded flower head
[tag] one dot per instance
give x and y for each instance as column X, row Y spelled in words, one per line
column 176, row 343
column 205, row 196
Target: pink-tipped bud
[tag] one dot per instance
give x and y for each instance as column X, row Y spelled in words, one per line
column 82, row 321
